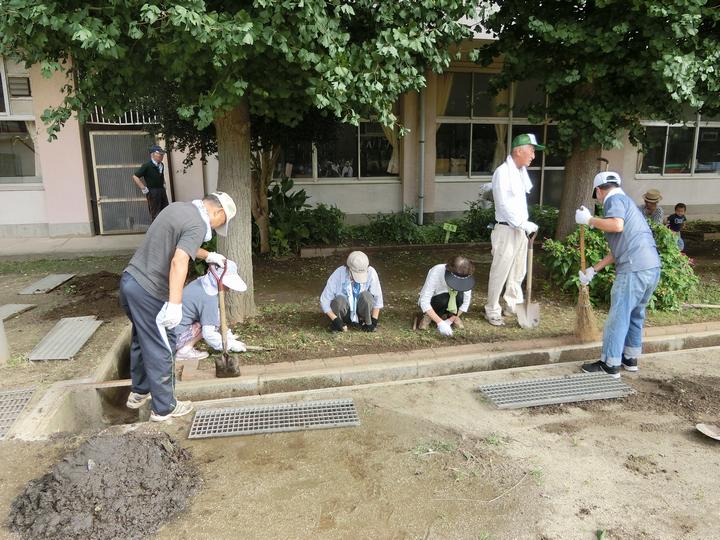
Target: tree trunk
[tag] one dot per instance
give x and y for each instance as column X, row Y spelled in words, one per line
column 580, row 169
column 263, row 164
column 233, row 139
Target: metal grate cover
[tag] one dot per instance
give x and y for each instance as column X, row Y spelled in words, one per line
column 65, row 339
column 47, row 284
column 298, row 416
column 12, row 402
column 10, row 310
column 534, row 392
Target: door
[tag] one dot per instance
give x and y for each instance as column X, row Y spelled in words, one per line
column 121, row 206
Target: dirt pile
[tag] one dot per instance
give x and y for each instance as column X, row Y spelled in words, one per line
column 91, row 294
column 116, row 485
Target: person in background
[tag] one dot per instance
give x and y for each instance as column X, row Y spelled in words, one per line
column 637, row 272
column 510, row 186
column 201, row 315
column 445, row 296
column 676, row 223
column 650, row 208
column 352, row 295
column 150, row 179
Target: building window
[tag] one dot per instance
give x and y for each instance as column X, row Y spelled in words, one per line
column 369, row 150
column 19, row 87
column 17, row 152
column 689, row 149
column 4, row 106
column 475, row 127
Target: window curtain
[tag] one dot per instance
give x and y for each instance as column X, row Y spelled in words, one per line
column 444, row 87
column 501, row 130
column 30, row 126
column 391, row 135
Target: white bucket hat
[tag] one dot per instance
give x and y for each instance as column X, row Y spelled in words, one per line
column 228, row 205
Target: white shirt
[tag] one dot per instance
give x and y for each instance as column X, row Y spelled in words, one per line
column 340, row 283
column 435, row 284
column 510, row 186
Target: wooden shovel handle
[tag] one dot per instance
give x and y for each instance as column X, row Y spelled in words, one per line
column 582, row 248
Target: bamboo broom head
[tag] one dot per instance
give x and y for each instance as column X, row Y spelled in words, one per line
column 586, row 329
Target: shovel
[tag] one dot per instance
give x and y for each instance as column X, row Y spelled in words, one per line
column 710, row 430
column 528, row 314
column 227, row 365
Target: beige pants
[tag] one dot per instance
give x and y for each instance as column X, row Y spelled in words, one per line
column 509, row 251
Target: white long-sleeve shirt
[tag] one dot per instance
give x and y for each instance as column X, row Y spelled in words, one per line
column 340, row 283
column 435, row 284
column 510, row 187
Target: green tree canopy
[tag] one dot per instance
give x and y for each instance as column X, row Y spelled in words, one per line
column 224, row 60
column 605, row 65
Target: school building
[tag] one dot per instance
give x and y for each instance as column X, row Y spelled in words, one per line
column 80, row 184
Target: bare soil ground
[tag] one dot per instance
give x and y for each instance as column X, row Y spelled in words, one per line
column 432, row 459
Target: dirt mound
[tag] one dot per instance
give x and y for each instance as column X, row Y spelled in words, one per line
column 91, row 294
column 113, row 486
column 694, row 399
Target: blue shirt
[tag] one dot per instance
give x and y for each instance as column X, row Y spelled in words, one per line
column 634, row 248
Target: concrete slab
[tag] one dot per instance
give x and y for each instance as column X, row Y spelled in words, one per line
column 47, row 284
column 11, row 310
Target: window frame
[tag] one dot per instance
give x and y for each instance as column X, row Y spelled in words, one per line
column 510, row 121
column 5, row 89
column 696, row 124
column 357, row 177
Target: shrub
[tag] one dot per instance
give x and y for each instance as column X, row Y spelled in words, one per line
column 677, row 278
column 325, row 225
column 546, row 218
column 476, row 221
column 288, row 224
column 394, row 228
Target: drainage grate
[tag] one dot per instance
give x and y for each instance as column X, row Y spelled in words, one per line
column 533, row 392
column 65, row 339
column 47, row 284
column 320, row 414
column 12, row 402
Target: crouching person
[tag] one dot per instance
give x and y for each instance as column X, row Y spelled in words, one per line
column 201, row 315
column 445, row 296
column 353, row 295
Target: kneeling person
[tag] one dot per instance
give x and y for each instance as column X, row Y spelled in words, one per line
column 201, row 315
column 353, row 295
column 445, row 296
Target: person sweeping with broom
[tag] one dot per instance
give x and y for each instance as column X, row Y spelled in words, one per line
column 637, row 268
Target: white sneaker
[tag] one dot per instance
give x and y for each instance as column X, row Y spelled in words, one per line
column 181, row 409
column 190, row 353
column 135, row 401
column 495, row 321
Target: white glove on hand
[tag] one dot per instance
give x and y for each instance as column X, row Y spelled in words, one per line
column 582, row 216
column 145, row 190
column 445, row 328
column 216, row 258
column 586, row 277
column 236, row 346
column 170, row 315
column 529, row 227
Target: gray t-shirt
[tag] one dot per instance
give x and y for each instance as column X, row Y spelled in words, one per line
column 198, row 306
column 634, row 248
column 177, row 226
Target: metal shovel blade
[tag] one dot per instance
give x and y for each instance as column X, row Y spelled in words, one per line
column 528, row 315
column 227, row 365
column 708, row 429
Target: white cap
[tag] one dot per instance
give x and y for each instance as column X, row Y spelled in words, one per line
column 357, row 263
column 605, row 177
column 232, row 279
column 228, row 205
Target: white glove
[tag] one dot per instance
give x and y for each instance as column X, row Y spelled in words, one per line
column 145, row 190
column 586, row 277
column 236, row 346
column 529, row 227
column 445, row 328
column 582, row 216
column 170, row 315
column 216, row 258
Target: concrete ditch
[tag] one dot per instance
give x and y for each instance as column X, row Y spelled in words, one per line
column 96, row 402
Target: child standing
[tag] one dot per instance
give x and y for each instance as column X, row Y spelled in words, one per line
column 676, row 222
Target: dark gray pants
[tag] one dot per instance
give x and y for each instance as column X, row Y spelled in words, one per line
column 365, row 305
column 152, row 365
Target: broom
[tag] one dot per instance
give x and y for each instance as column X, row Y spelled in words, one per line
column 585, row 325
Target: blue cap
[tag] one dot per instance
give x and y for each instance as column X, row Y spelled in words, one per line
column 155, row 148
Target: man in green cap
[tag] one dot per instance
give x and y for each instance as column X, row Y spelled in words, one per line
column 510, row 186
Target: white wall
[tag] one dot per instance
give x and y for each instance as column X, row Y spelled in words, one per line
column 356, row 198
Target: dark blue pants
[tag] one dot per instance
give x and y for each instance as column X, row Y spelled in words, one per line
column 440, row 302
column 152, row 361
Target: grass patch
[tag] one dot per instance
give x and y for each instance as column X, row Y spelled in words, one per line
column 85, row 265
